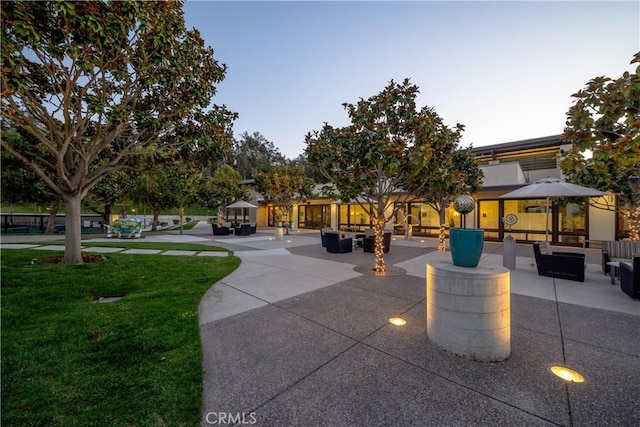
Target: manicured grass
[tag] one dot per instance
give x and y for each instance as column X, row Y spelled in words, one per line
column 141, row 244
column 69, row 361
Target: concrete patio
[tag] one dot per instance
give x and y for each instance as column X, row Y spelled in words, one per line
column 295, row 336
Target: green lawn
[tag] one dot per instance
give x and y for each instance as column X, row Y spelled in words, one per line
column 69, row 361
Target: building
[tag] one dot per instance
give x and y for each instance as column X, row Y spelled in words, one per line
column 506, row 167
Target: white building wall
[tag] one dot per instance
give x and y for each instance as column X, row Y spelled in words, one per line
column 502, row 174
column 602, row 222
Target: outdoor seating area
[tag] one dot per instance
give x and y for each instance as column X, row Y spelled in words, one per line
column 630, row 277
column 563, row 265
column 337, row 243
column 368, row 242
column 618, row 251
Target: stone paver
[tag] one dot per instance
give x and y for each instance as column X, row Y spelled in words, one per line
column 17, row 246
column 220, row 254
column 179, row 253
column 142, row 251
column 50, row 248
column 103, row 250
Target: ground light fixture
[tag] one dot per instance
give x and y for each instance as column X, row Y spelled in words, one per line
column 567, row 374
column 398, row 321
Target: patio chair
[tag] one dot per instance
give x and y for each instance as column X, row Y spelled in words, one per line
column 220, row 230
column 322, row 238
column 630, row 277
column 562, row 265
column 369, row 242
column 337, row 244
column 243, row 230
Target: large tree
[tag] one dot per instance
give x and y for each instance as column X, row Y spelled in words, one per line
column 461, row 175
column 387, row 154
column 96, row 82
column 220, row 189
column 253, row 153
column 285, row 186
column 604, row 121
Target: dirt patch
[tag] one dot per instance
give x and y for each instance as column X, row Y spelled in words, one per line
column 59, row 259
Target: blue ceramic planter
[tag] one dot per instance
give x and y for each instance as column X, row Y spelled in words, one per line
column 466, row 246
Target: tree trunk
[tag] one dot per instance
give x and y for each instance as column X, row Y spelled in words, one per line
column 53, row 211
column 156, row 215
column 106, row 216
column 181, row 212
column 378, row 245
column 442, row 234
column 73, row 236
column 634, row 223
column 221, row 215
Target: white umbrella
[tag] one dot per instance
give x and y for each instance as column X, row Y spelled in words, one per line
column 242, row 204
column 551, row 187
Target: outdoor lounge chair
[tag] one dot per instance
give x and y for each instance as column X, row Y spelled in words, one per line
column 562, row 265
column 322, row 238
column 369, row 242
column 243, row 230
column 337, row 244
column 220, row 230
column 630, row 278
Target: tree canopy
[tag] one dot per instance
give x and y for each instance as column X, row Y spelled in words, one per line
column 285, row 186
column 253, row 153
column 461, row 175
column 603, row 126
column 388, row 153
column 98, row 82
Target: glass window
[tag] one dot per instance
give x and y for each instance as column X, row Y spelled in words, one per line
column 489, row 215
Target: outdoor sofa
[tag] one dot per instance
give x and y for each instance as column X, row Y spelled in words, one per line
column 618, row 251
column 220, row 230
column 562, row 265
column 368, row 242
column 630, row 277
column 337, row 243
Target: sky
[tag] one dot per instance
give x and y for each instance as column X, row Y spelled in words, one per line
column 505, row 70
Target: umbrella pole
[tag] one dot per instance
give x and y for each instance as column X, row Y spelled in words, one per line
column 546, row 222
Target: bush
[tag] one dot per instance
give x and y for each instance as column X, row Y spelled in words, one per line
column 188, row 219
column 176, row 221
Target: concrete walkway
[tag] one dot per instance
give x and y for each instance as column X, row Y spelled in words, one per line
column 296, row 337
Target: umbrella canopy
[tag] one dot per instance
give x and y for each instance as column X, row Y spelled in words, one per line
column 242, row 204
column 551, row 187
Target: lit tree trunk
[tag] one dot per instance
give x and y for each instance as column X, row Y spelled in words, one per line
column 220, row 215
column 53, row 211
column 378, row 244
column 442, row 234
column 73, row 236
column 634, row 223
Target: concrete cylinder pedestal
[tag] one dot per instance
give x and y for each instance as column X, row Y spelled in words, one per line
column 279, row 233
column 469, row 310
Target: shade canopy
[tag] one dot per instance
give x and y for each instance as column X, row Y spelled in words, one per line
column 551, row 187
column 242, row 204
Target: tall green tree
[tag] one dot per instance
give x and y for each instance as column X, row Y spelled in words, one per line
column 20, row 184
column 253, row 153
column 461, row 175
column 387, row 154
column 99, row 82
column 221, row 189
column 605, row 122
column 285, row 186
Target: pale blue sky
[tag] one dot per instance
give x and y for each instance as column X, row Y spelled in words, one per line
column 506, row 70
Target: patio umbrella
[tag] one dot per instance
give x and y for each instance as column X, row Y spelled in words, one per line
column 241, row 204
column 551, row 187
